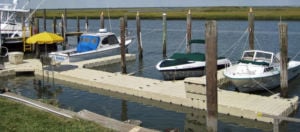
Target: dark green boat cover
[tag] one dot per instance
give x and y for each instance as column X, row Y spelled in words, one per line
column 184, row 58
column 188, row 57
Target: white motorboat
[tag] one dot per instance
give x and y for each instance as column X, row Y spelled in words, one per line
column 182, row 65
column 11, row 24
column 91, row 46
column 259, row 70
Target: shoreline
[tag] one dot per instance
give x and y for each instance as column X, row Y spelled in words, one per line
column 198, row 13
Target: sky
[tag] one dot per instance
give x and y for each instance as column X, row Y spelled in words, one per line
column 57, row 4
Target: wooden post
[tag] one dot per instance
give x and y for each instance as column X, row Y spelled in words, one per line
column 65, row 26
column 36, row 25
column 211, row 76
column 44, row 16
column 283, row 59
column 102, row 20
column 86, row 24
column 1, row 58
column 164, row 39
column 54, row 24
column 63, row 31
column 122, row 45
column 78, row 29
column 125, row 24
column 188, row 32
column 138, row 33
column 65, row 19
column 251, row 29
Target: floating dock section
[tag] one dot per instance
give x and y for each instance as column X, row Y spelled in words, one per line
column 190, row 92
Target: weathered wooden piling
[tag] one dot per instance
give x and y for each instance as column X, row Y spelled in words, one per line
column 164, row 39
column 251, row 28
column 188, row 31
column 36, row 25
column 125, row 25
column 63, row 31
column 122, row 45
column 283, row 38
column 138, row 33
column 78, row 28
column 86, row 24
column 211, row 76
column 54, row 25
column 44, row 16
column 1, row 58
column 65, row 27
column 102, row 20
column 65, row 18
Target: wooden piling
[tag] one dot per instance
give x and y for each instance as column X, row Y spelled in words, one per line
column 1, row 58
column 65, row 18
column 65, row 26
column 102, row 20
column 78, row 28
column 63, row 31
column 251, row 28
column 54, row 24
column 122, row 45
column 36, row 25
column 44, row 16
column 211, row 76
column 86, row 24
column 283, row 38
column 188, row 31
column 125, row 25
column 164, row 39
column 138, row 33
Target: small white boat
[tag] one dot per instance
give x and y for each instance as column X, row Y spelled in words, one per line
column 182, row 65
column 259, row 70
column 91, row 46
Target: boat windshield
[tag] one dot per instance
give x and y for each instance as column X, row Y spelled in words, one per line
column 257, row 56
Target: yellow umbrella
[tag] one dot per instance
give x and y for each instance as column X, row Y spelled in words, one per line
column 44, row 38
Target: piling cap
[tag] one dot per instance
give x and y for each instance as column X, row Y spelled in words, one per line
column 250, row 10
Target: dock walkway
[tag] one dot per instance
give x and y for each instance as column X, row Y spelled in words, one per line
column 184, row 92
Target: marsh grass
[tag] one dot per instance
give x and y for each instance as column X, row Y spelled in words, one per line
column 217, row 13
column 18, row 117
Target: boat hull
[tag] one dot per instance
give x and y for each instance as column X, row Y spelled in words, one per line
column 269, row 82
column 71, row 55
column 195, row 69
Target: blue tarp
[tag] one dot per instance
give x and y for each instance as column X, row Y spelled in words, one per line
column 88, row 43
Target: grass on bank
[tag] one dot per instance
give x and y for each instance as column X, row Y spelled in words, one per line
column 217, row 13
column 18, row 117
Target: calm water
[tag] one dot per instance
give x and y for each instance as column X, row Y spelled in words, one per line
column 160, row 115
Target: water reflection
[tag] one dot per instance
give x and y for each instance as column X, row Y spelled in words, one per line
column 124, row 116
column 46, row 91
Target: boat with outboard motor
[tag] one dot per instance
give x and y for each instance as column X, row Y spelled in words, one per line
column 259, row 70
column 91, row 46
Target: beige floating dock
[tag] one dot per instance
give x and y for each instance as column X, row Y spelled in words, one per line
column 189, row 92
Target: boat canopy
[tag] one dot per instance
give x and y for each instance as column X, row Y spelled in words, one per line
column 88, row 43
